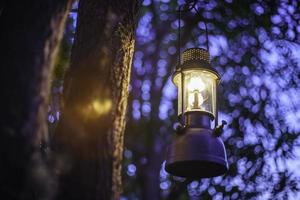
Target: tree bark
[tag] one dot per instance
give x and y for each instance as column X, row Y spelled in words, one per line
column 29, row 37
column 89, row 135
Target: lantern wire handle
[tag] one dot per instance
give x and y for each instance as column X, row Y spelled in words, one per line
column 179, row 35
column 179, row 60
column 190, row 6
column 206, row 30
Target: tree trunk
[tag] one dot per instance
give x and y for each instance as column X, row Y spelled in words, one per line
column 29, row 37
column 89, row 135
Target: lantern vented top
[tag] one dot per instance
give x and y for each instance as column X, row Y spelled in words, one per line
column 195, row 54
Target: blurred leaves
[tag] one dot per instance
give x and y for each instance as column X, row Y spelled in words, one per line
column 254, row 45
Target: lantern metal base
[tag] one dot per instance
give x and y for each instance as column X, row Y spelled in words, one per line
column 196, row 153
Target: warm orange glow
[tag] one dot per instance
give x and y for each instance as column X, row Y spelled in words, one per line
column 101, row 107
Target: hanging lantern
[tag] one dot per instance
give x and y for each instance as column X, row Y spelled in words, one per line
column 197, row 151
column 197, row 80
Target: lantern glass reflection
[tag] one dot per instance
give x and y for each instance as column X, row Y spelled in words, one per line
column 199, row 89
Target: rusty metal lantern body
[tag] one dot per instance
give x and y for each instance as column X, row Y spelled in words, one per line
column 196, row 151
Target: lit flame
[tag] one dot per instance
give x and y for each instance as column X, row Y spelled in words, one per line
column 196, row 83
column 195, row 87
